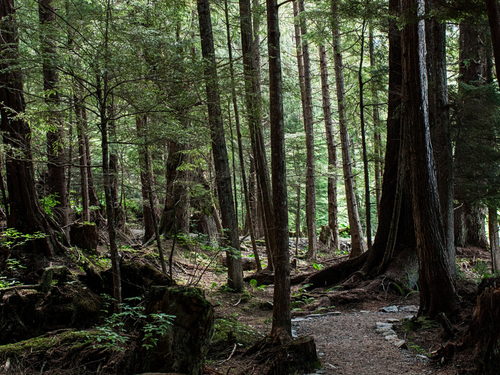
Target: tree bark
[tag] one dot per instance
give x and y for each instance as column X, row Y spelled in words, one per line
column 25, row 214
column 282, row 325
column 441, row 136
column 494, row 22
column 437, row 293
column 304, row 63
column 377, row 139
column 357, row 239
column 253, row 102
column 223, row 177
column 332, row 150
column 82, row 153
column 494, row 241
column 363, row 142
column 240, row 144
column 56, row 158
column 146, row 179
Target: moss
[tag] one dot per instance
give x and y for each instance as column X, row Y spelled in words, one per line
column 43, row 343
column 230, row 330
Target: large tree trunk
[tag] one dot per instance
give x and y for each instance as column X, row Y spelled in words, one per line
column 494, row 241
column 304, row 64
column 26, row 215
column 175, row 217
column 332, row 150
column 441, row 134
column 223, row 177
column 469, row 218
column 253, row 102
column 437, row 293
column 282, row 325
column 357, row 239
column 56, row 158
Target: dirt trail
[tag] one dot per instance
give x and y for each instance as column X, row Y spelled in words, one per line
column 348, row 344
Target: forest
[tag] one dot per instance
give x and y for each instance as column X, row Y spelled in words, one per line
column 186, row 185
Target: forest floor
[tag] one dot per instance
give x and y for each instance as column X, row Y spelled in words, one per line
column 343, row 323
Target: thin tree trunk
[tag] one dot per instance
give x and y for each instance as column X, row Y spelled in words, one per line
column 282, row 325
column 240, row 145
column 363, row 142
column 357, row 239
column 376, row 120
column 103, row 93
column 494, row 241
column 223, row 177
column 332, row 150
column 306, row 93
column 56, row 158
column 82, row 155
column 437, row 293
column 253, row 102
column 146, row 178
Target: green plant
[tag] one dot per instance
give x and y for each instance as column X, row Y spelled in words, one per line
column 317, row 266
column 255, row 285
column 229, row 327
column 113, row 332
column 11, row 238
column 49, row 202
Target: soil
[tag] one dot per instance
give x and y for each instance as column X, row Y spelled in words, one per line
column 341, row 322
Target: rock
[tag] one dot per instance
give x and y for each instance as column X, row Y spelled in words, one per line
column 392, row 320
column 383, row 324
column 411, row 309
column 364, row 312
column 391, row 337
column 389, row 333
column 401, row 344
column 389, row 309
column 384, row 329
column 184, row 347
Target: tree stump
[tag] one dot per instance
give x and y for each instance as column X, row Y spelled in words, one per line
column 326, row 235
column 483, row 335
column 85, row 236
column 184, row 347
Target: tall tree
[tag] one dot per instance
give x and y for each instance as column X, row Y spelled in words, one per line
column 219, row 150
column 357, row 239
column 363, row 140
column 437, row 293
column 253, row 101
column 25, row 213
column 304, row 63
column 332, row 149
column 251, row 226
column 441, row 135
column 282, row 324
column 55, row 136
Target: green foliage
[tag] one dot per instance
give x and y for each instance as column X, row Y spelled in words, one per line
column 48, row 202
column 255, row 285
column 317, row 266
column 11, row 238
column 229, row 329
column 113, row 334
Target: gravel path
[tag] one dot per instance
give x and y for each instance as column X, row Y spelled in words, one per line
column 348, row 344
